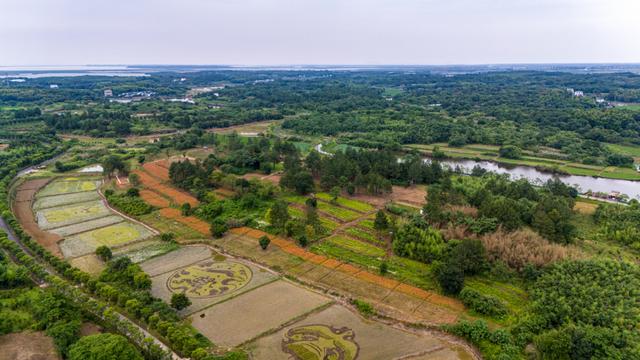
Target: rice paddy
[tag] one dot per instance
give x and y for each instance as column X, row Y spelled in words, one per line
column 72, row 209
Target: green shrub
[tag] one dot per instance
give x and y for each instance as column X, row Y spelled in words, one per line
column 482, row 304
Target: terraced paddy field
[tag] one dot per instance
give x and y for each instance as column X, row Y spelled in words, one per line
column 44, row 202
column 69, row 185
column 71, row 214
column 87, row 225
column 112, row 236
column 72, row 220
column 206, row 279
column 338, row 332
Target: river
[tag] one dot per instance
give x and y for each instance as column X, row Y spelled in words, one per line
column 537, row 177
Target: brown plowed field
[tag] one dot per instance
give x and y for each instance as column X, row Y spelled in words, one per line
column 157, row 169
column 154, row 199
column 22, row 209
column 178, row 197
column 384, row 282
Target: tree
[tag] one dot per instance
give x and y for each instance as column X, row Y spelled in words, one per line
column 381, row 223
column 264, row 242
column 312, row 162
column 552, row 218
column 180, row 301
column 279, row 215
column 134, row 179
column 335, row 193
column 218, row 228
column 510, row 152
column 185, row 209
column 168, row 237
column 451, row 278
column 104, row 253
column 470, row 256
column 133, row 192
column 418, row 244
column 103, row 347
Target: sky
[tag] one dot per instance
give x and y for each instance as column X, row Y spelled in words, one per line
column 285, row 32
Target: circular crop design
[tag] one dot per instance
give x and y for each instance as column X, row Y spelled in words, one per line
column 320, row 342
column 210, row 279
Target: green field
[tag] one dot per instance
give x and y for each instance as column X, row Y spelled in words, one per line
column 65, row 187
column 348, row 203
column 338, row 212
column 71, row 214
column 364, row 235
column 356, row 246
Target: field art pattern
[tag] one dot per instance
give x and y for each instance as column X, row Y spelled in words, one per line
column 66, row 187
column 111, row 236
column 210, row 279
column 71, row 214
column 320, row 342
column 64, row 199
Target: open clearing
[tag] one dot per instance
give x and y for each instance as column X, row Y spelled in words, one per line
column 27, row 346
column 243, row 318
column 204, row 277
column 336, row 330
column 111, row 236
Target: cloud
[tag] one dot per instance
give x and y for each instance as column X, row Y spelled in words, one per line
column 318, row 31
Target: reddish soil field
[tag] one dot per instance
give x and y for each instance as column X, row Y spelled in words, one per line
column 154, row 199
column 22, row 209
column 178, row 197
column 155, row 169
column 369, row 277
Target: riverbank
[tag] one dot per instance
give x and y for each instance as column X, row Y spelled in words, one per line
column 555, row 166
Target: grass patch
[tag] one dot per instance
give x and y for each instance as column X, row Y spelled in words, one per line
column 359, row 247
column 361, row 234
column 348, row 203
column 338, row 212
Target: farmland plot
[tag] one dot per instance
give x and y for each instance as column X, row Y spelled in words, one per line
column 68, row 230
column 66, row 187
column 64, row 199
column 71, row 214
column 244, row 317
column 336, row 330
column 112, row 235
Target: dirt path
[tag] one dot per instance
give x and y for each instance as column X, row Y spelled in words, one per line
column 22, row 209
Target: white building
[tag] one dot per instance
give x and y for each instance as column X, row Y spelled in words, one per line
column 108, row 93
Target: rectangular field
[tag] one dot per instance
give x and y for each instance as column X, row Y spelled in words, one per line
column 338, row 212
column 112, row 235
column 71, row 214
column 87, row 225
column 374, row 340
column 245, row 317
column 359, row 247
column 348, row 203
column 64, row 187
column 64, row 199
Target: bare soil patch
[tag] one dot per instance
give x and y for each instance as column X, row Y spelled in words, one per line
column 27, row 346
column 25, row 196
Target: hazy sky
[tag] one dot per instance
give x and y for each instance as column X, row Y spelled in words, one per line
column 253, row 32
